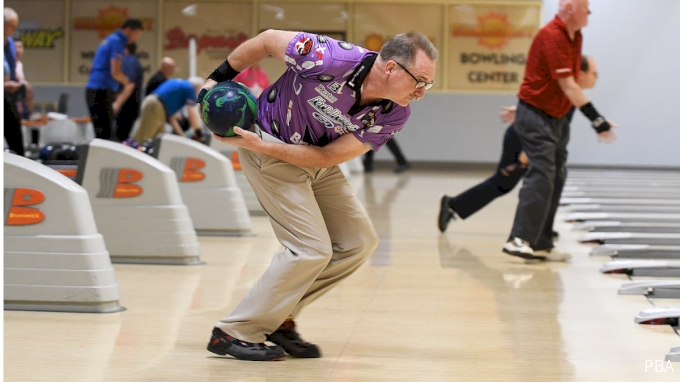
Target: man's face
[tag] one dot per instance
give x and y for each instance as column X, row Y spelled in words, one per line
column 11, row 26
column 587, row 80
column 403, row 84
column 580, row 12
column 134, row 35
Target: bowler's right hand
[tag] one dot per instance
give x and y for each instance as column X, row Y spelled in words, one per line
column 607, row 136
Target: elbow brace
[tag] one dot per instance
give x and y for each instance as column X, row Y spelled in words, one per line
column 598, row 122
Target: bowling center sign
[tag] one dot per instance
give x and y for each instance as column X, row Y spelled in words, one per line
column 489, row 44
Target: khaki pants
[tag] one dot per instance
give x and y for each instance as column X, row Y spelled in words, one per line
column 325, row 230
column 152, row 119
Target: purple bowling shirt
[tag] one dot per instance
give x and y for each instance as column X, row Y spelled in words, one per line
column 316, row 100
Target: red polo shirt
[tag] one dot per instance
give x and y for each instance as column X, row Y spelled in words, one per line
column 552, row 55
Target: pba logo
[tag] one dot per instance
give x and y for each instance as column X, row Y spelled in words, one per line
column 17, row 201
column 188, row 169
column 119, row 183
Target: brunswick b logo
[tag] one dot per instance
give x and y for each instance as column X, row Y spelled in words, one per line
column 17, row 201
column 119, row 183
column 188, row 169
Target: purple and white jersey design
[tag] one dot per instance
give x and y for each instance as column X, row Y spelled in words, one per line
column 311, row 102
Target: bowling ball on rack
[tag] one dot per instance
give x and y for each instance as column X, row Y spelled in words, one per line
column 228, row 104
column 47, row 152
column 130, row 143
column 148, row 147
column 67, row 153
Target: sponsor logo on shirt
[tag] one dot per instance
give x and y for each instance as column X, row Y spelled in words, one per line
column 335, row 115
column 325, row 93
column 296, row 139
column 311, row 64
column 345, row 45
column 324, row 120
column 335, row 87
column 304, row 46
column 356, row 74
column 368, row 119
column 319, row 52
column 289, row 113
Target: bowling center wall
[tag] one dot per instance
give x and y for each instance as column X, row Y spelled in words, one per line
column 482, row 51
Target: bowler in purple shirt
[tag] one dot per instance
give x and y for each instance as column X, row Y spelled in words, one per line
column 335, row 101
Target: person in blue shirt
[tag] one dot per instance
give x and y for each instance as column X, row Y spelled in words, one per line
column 14, row 89
column 163, row 106
column 106, row 77
column 129, row 111
column 165, row 71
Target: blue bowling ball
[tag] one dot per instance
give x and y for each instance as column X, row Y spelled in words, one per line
column 228, row 104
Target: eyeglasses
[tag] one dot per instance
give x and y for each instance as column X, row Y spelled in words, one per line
column 419, row 84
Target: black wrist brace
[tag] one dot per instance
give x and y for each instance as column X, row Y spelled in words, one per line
column 598, row 122
column 224, row 72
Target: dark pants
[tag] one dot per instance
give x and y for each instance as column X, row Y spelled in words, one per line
column 100, row 102
column 127, row 116
column 507, row 176
column 394, row 148
column 544, row 140
column 12, row 129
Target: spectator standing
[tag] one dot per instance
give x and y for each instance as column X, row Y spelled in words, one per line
column 107, row 76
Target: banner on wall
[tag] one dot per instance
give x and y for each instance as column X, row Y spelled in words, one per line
column 373, row 26
column 42, row 31
column 93, row 21
column 39, row 38
column 218, row 29
column 489, row 45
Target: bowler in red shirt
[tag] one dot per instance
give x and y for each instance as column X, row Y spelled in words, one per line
column 548, row 91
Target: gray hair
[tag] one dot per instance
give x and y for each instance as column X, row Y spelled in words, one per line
column 10, row 14
column 403, row 47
